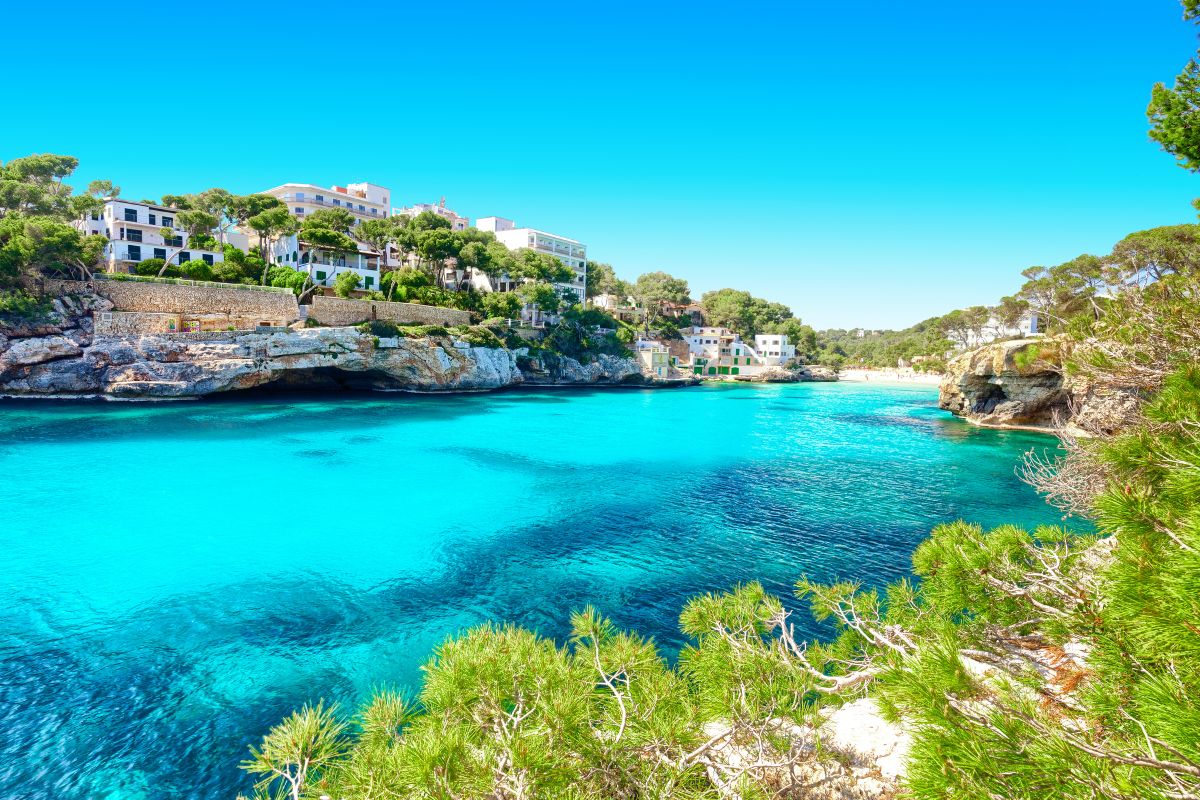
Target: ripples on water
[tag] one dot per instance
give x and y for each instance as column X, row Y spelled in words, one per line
column 180, row 576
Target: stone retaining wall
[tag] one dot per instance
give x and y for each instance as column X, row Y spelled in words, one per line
column 120, row 323
column 167, row 298
column 337, row 311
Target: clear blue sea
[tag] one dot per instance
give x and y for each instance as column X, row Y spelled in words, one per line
column 178, row 576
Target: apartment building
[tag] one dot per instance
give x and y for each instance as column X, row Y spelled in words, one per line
column 135, row 233
column 570, row 252
column 362, row 200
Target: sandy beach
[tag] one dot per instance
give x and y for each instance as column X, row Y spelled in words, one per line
column 890, row 376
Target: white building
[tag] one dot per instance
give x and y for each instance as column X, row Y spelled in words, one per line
column 774, row 349
column 719, row 352
column 457, row 223
column 570, row 252
column 654, row 357
column 1029, row 325
column 362, row 200
column 135, row 233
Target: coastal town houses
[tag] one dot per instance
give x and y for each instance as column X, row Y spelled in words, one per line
column 570, row 252
column 720, row 352
column 362, row 200
column 135, row 232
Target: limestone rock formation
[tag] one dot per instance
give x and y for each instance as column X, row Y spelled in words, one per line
column 73, row 363
column 1023, row 383
column 1018, row 382
column 816, row 372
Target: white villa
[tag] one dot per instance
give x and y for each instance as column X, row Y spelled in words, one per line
column 1029, row 325
column 135, row 233
column 774, row 349
column 568, row 251
column 363, row 200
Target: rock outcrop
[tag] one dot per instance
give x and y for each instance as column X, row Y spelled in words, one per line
column 1018, row 382
column 1022, row 383
column 815, row 372
column 852, row 754
column 63, row 358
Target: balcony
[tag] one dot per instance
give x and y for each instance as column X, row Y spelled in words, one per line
column 326, row 202
column 143, row 223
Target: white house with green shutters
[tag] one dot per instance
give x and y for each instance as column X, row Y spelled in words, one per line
column 721, row 353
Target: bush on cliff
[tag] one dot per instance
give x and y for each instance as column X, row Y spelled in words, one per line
column 20, row 305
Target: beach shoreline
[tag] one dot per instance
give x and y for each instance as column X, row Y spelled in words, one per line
column 901, row 376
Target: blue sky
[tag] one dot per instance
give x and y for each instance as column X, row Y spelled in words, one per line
column 868, row 163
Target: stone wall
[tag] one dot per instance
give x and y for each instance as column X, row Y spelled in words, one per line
column 277, row 307
column 337, row 311
column 121, row 323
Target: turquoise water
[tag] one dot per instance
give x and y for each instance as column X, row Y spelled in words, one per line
column 179, row 576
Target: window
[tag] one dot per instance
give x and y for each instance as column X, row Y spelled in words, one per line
column 337, row 202
column 184, row 255
column 134, row 252
column 208, row 259
column 299, row 210
column 320, row 275
column 295, row 256
column 133, row 235
column 361, row 207
column 320, row 198
column 160, row 252
column 131, row 215
column 168, row 222
column 368, row 281
column 374, row 210
column 152, row 222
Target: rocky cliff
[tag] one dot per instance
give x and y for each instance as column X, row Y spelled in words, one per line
column 63, row 358
column 1022, row 383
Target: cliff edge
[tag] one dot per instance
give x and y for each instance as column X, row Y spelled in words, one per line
column 1023, row 383
column 63, row 357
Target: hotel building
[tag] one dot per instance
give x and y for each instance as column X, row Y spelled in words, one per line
column 362, row 200
column 568, row 251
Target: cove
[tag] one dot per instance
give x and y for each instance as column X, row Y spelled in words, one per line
column 179, row 576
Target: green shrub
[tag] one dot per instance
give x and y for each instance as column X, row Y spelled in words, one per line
column 20, row 304
column 225, row 272
column 287, row 278
column 383, row 328
column 196, row 270
column 481, row 337
column 149, row 267
column 346, row 282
